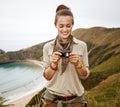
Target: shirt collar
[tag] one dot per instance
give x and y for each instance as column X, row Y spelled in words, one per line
column 74, row 40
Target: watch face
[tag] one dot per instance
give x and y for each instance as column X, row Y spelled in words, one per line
column 80, row 65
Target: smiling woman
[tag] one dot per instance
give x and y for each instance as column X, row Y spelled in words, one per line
column 65, row 64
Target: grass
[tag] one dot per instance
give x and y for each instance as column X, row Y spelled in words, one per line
column 102, row 71
column 35, row 100
column 112, row 64
column 106, row 94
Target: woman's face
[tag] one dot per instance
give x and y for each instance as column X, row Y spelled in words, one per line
column 64, row 26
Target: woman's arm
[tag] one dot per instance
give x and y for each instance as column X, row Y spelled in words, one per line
column 74, row 58
column 53, row 66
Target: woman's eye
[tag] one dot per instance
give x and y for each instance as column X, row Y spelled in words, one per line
column 61, row 27
column 68, row 26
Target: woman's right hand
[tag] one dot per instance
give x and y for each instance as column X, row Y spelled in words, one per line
column 56, row 57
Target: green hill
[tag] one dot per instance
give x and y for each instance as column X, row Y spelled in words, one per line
column 103, row 43
column 104, row 52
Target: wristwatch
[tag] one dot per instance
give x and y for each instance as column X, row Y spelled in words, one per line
column 79, row 66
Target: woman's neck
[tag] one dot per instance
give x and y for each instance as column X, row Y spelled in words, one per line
column 64, row 40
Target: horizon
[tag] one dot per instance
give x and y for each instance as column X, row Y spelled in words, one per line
column 36, row 42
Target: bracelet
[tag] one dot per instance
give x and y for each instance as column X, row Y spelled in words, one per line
column 79, row 66
column 53, row 67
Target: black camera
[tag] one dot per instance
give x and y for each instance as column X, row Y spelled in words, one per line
column 65, row 53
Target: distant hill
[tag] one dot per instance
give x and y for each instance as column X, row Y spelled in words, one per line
column 33, row 52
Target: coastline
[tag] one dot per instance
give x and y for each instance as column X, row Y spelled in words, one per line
column 37, row 62
column 22, row 100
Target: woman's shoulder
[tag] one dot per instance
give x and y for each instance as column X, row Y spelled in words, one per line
column 80, row 42
column 49, row 43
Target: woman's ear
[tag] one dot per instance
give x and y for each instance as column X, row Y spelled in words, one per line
column 56, row 26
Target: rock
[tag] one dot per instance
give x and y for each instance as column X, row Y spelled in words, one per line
column 1, row 51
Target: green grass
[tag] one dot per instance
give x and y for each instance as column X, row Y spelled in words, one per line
column 102, row 71
column 106, row 94
column 112, row 64
column 35, row 100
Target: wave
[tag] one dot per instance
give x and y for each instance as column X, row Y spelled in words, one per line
column 19, row 79
column 21, row 86
column 17, row 96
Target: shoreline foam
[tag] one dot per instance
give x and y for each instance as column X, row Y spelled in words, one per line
column 22, row 100
column 37, row 62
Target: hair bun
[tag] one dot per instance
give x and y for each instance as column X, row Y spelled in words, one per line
column 61, row 7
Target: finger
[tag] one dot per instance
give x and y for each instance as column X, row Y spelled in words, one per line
column 57, row 53
column 72, row 54
column 74, row 57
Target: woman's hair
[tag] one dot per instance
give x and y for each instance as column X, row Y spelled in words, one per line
column 63, row 10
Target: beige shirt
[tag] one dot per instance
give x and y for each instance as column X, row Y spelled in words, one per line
column 69, row 83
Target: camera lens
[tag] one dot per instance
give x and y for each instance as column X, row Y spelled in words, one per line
column 66, row 55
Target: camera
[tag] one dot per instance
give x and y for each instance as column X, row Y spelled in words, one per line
column 65, row 53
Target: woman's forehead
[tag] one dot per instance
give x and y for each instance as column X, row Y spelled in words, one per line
column 63, row 19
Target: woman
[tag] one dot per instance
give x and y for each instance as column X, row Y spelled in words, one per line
column 66, row 63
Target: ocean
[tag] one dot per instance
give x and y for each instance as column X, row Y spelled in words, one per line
column 19, row 79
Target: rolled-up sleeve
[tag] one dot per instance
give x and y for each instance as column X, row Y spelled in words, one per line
column 46, row 59
column 85, row 61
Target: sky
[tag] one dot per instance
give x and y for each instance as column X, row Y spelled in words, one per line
column 25, row 23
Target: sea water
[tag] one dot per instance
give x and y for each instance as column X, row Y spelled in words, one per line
column 20, row 78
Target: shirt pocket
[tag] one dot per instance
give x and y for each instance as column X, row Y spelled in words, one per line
column 79, row 53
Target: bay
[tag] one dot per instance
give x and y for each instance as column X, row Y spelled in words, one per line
column 20, row 78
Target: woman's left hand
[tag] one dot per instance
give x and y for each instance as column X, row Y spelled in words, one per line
column 74, row 58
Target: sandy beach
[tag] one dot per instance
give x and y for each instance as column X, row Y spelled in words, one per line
column 22, row 101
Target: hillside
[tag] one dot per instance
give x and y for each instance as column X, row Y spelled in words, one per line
column 106, row 94
column 103, row 43
column 104, row 52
